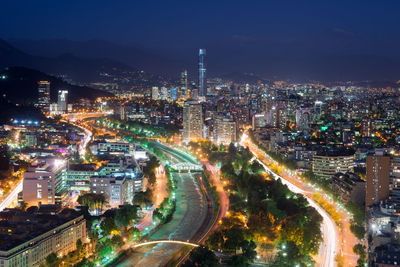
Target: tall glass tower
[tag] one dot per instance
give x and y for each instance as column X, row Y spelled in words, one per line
column 202, row 73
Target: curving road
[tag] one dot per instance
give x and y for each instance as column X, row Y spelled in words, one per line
column 11, row 196
column 330, row 245
column 189, row 217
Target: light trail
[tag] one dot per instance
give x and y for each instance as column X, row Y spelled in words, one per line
column 12, row 195
column 329, row 229
column 86, row 138
column 164, row 241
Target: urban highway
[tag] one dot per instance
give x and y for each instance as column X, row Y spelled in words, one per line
column 191, row 215
column 335, row 241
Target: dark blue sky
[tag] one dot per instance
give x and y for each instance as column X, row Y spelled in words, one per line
column 176, row 22
column 177, row 28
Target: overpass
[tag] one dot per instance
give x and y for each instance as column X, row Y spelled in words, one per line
column 84, row 115
column 186, row 166
column 167, row 241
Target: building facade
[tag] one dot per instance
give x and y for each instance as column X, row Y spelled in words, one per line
column 202, row 73
column 30, row 242
column 192, row 121
column 44, row 95
column 225, row 130
column 328, row 163
column 62, row 100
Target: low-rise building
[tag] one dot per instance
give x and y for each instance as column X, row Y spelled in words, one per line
column 349, row 186
column 329, row 162
column 387, row 255
column 27, row 238
column 43, row 182
column 115, row 148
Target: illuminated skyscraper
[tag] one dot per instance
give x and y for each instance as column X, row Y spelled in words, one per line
column 62, row 100
column 173, row 93
column 192, row 121
column 155, row 95
column 225, row 130
column 202, row 73
column 43, row 95
column 183, row 92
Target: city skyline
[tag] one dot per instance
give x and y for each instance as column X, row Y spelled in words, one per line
column 218, row 133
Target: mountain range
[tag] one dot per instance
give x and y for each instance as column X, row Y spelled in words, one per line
column 19, row 85
column 330, row 56
column 76, row 68
column 100, row 52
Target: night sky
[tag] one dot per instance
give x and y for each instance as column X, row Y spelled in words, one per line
column 177, row 28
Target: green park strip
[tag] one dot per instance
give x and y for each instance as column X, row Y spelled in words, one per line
column 266, row 222
column 357, row 223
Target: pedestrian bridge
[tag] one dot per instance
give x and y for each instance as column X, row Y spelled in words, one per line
column 153, row 242
column 187, row 167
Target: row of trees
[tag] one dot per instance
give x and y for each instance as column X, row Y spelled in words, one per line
column 264, row 212
column 94, row 202
column 357, row 225
column 140, row 128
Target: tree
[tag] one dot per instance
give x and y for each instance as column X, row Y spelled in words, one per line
column 125, row 215
column 239, row 261
column 256, row 167
column 79, row 248
column 107, row 225
column 149, row 169
column 357, row 230
column 233, row 238
column 52, row 260
column 215, row 240
column 248, row 250
column 93, row 201
column 201, row 256
column 117, row 241
column 133, row 234
column 143, row 198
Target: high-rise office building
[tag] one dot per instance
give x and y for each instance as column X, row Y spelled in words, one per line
column 225, row 130
column 155, row 95
column 302, row 118
column 378, row 173
column 202, row 73
column 173, row 94
column 383, row 180
column 183, row 92
column 62, row 100
column 164, row 93
column 192, row 121
column 43, row 95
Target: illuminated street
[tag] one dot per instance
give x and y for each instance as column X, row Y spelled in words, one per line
column 334, row 240
column 187, row 219
column 12, row 197
column 199, row 133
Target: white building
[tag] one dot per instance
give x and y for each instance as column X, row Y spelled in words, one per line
column 192, row 121
column 155, row 93
column 225, row 130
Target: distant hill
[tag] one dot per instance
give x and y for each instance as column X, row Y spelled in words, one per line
column 9, row 110
column 131, row 55
column 77, row 68
column 242, row 77
column 19, row 85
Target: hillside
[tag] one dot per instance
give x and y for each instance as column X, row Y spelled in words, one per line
column 76, row 68
column 19, row 84
column 138, row 57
